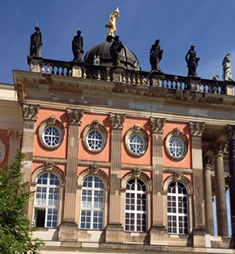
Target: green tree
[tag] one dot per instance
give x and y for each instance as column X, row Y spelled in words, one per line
column 15, row 227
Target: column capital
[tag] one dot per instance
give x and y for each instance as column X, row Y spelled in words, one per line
column 30, row 111
column 75, row 116
column 14, row 135
column 218, row 148
column 157, row 124
column 197, row 128
column 117, row 120
column 207, row 162
column 230, row 129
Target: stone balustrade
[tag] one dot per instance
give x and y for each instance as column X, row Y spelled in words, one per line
column 130, row 77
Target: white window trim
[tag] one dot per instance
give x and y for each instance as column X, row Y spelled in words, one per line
column 177, row 214
column 92, row 209
column 3, row 151
column 46, row 207
column 135, row 211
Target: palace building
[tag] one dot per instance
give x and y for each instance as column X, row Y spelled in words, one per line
column 122, row 160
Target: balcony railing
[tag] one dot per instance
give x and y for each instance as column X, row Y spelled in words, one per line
column 130, row 77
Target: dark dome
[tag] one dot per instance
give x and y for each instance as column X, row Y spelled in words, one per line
column 128, row 60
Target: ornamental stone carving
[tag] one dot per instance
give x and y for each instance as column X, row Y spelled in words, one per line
column 14, row 135
column 75, row 116
column 117, row 120
column 49, row 165
column 218, row 148
column 157, row 124
column 30, row 111
column 177, row 176
column 136, row 172
column 208, row 161
column 197, row 128
column 94, row 168
column 230, row 131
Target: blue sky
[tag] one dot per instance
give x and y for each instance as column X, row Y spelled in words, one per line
column 207, row 24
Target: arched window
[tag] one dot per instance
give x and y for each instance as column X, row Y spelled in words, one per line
column 135, row 208
column 177, row 209
column 46, row 202
column 92, row 204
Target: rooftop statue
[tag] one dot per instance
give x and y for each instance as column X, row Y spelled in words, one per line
column 112, row 24
column 192, row 62
column 115, row 49
column 77, row 47
column 227, row 70
column 36, row 43
column 155, row 56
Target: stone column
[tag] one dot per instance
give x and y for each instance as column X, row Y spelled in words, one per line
column 158, row 232
column 220, row 191
column 199, row 229
column 208, row 195
column 231, row 138
column 14, row 143
column 29, row 116
column 114, row 229
column 68, row 229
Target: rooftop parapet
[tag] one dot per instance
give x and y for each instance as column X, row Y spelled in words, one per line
column 130, row 77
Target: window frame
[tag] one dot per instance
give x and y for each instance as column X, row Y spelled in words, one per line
column 176, row 133
column 46, row 207
column 92, row 209
column 96, row 126
column 176, row 199
column 136, row 212
column 136, row 130
column 51, row 122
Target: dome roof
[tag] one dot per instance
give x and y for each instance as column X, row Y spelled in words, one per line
column 128, row 60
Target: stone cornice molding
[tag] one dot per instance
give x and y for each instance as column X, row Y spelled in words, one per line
column 93, row 170
column 218, row 148
column 14, row 135
column 75, row 116
column 197, row 128
column 157, row 124
column 30, row 111
column 117, row 120
column 230, row 129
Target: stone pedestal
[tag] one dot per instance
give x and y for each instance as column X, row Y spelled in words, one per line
column 230, row 90
column 193, row 83
column 117, row 74
column 68, row 231
column 34, row 63
column 76, row 71
column 155, row 78
column 114, row 233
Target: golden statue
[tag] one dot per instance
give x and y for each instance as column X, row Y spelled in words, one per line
column 112, row 24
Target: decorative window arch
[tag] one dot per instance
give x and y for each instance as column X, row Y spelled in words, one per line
column 136, row 185
column 136, row 140
column 95, row 137
column 93, row 182
column 48, row 178
column 51, row 133
column 178, row 189
column 2, row 151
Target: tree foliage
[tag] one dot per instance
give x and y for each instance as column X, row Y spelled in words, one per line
column 15, row 227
